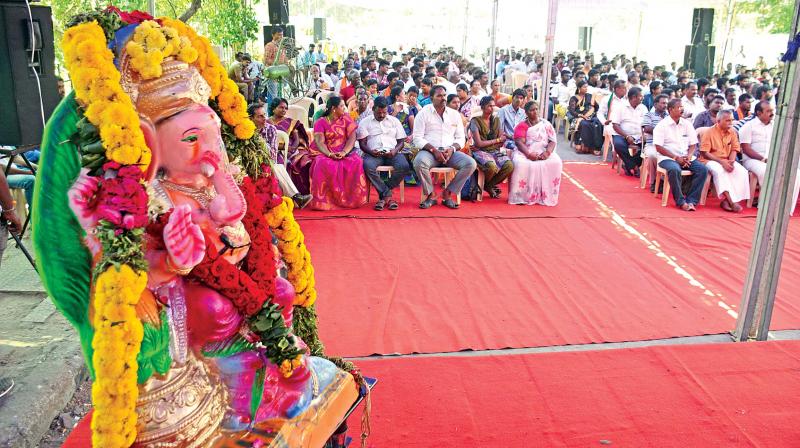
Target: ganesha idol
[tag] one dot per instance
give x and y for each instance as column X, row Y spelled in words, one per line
column 220, row 382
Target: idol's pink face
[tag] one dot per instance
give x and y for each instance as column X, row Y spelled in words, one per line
column 190, row 142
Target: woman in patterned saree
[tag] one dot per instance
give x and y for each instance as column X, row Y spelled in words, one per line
column 299, row 157
column 537, row 168
column 337, row 172
column 487, row 147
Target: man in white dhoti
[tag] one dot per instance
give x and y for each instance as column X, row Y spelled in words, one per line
column 718, row 149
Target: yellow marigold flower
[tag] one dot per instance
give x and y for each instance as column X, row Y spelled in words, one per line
column 125, row 155
column 116, row 113
column 244, row 130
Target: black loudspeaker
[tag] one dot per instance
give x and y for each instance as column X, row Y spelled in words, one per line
column 288, row 31
column 278, row 11
column 700, row 59
column 702, row 26
column 320, row 29
column 584, row 38
column 20, row 114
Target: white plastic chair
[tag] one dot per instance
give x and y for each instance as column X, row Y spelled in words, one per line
column 283, row 137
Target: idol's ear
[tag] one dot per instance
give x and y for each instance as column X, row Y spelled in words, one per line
column 149, row 131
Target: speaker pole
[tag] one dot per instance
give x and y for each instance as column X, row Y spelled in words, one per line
column 639, row 33
column 731, row 12
column 151, row 7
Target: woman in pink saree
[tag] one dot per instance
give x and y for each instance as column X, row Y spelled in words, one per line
column 337, row 172
column 299, row 158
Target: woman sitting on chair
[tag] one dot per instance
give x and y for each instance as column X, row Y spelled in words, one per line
column 337, row 172
column 580, row 113
column 487, row 150
column 537, row 168
column 500, row 98
column 299, row 158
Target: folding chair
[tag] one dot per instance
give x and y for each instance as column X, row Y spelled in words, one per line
column 283, row 137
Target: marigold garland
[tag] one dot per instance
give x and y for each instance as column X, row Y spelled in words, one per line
column 116, row 342
column 152, row 43
column 118, row 331
column 96, row 83
column 294, row 252
column 232, row 104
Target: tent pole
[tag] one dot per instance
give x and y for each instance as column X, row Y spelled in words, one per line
column 492, row 55
column 758, row 297
column 544, row 94
column 466, row 27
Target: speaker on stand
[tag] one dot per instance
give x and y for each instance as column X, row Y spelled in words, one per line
column 278, row 12
column 320, row 29
column 22, row 61
column 699, row 55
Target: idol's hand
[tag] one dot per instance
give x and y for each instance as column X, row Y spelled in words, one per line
column 80, row 197
column 184, row 240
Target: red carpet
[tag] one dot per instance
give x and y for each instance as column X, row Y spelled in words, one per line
column 725, row 395
column 712, row 244
column 432, row 285
column 623, row 193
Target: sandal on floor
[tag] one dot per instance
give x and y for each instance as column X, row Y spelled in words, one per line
column 379, row 205
column 392, row 204
column 427, row 203
column 494, row 193
column 449, row 203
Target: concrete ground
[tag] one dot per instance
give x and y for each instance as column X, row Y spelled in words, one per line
column 39, row 351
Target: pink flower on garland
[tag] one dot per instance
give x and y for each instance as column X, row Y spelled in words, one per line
column 122, row 199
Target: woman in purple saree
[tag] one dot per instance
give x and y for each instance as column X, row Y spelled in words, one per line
column 299, row 162
column 337, row 172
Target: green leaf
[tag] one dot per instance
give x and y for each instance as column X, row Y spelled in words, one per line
column 154, row 352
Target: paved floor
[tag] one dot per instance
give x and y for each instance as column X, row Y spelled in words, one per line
column 39, row 350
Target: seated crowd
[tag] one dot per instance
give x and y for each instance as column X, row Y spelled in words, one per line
column 387, row 122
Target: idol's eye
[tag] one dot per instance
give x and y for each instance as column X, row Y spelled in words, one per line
column 190, row 138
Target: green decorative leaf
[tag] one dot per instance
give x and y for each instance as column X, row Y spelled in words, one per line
column 154, row 353
column 235, row 345
column 63, row 261
column 257, row 392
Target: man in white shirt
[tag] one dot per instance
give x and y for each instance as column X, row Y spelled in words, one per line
column 380, row 138
column 676, row 142
column 755, row 137
column 626, row 123
column 607, row 106
column 692, row 104
column 439, row 133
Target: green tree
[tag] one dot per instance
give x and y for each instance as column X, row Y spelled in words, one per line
column 774, row 16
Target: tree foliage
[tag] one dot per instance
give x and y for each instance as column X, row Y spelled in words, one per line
column 774, row 16
column 228, row 23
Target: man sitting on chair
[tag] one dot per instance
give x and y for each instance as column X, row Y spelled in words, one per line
column 439, row 133
column 649, row 122
column 381, row 137
column 755, row 137
column 718, row 150
column 626, row 121
column 269, row 133
column 676, row 141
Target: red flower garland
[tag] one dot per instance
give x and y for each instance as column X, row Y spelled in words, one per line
column 253, row 285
